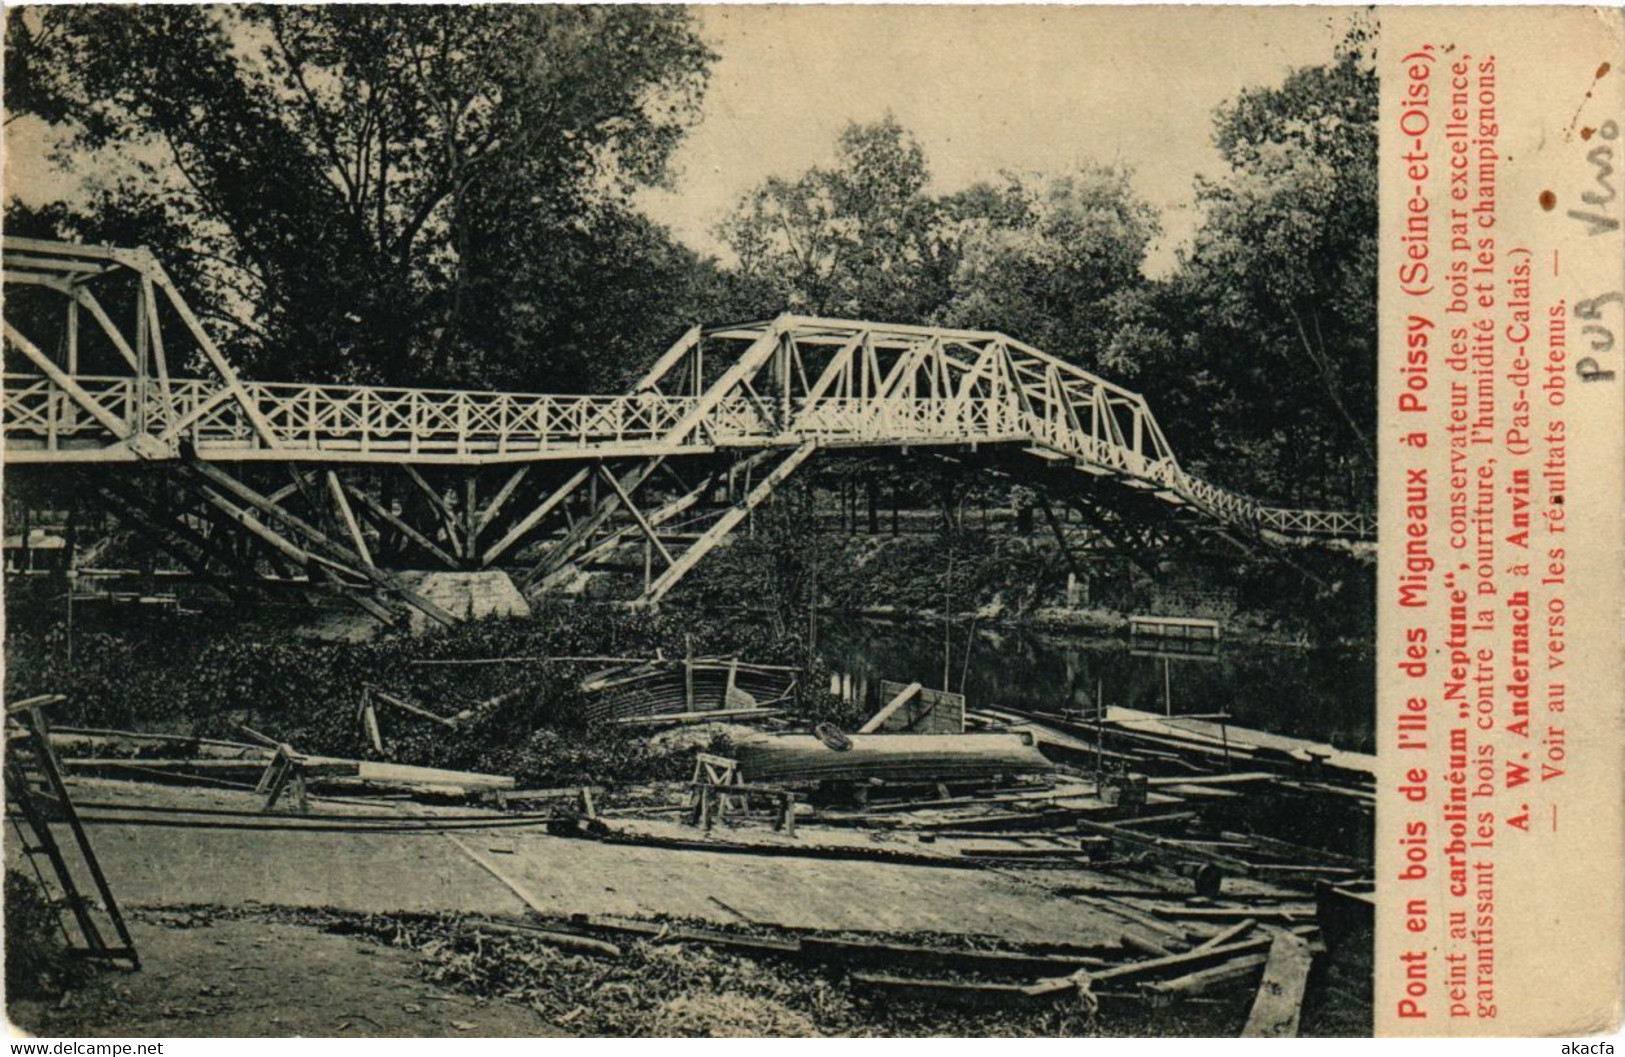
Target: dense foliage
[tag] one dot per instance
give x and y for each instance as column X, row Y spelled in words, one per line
column 865, row 238
column 525, row 719
column 382, row 193
column 1260, row 351
column 38, row 963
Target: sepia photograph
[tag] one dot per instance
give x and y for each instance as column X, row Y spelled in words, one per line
column 646, row 521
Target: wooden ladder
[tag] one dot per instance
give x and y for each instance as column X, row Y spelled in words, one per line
column 36, row 796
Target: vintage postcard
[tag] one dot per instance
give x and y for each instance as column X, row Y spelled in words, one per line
column 900, row 521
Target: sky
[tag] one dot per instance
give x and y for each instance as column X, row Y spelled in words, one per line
column 984, row 90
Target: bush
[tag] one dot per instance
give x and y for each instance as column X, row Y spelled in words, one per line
column 528, row 720
column 38, row 964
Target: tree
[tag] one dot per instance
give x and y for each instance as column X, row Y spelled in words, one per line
column 352, row 188
column 1281, row 281
column 1046, row 261
column 860, row 238
column 1041, row 259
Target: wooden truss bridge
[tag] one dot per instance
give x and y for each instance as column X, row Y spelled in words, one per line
column 251, row 484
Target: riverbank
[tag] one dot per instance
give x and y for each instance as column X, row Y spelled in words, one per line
column 1018, row 581
column 212, row 673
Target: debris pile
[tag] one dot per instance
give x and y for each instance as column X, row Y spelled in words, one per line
column 1221, row 862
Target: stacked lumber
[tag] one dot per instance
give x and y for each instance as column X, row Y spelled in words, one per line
column 1186, row 745
column 1186, row 974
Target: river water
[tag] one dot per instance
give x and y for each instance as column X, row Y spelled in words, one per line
column 1323, row 693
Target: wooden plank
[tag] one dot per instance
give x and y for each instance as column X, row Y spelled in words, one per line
column 247, row 520
column 1163, row 845
column 1202, row 981
column 88, row 302
column 896, row 757
column 118, row 428
column 178, row 426
column 904, row 696
column 437, row 503
column 23, row 244
column 1287, row 915
column 369, row 722
column 221, row 365
column 37, row 701
column 155, row 335
column 950, row 992
column 1279, row 1003
column 407, row 706
column 929, row 712
column 1048, row 853
column 670, row 718
column 57, row 264
column 1134, row 914
column 656, row 518
column 348, row 517
column 1174, row 964
column 669, row 358
column 407, row 775
column 637, row 515
column 568, row 941
column 1229, row 935
column 524, row 525
column 499, row 500
column 376, row 508
column 1246, row 777
column 565, row 550
column 1081, row 792
column 747, row 364
column 1141, row 945
column 1296, row 854
column 897, row 954
column 378, row 576
column 101, row 763
column 34, row 722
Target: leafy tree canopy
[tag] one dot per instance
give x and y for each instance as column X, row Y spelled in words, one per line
column 1047, row 261
column 859, row 238
column 354, row 187
column 1259, row 352
column 1042, row 259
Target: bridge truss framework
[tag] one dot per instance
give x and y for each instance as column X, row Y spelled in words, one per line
column 256, row 485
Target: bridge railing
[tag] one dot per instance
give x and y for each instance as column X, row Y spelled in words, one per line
column 310, row 419
column 334, row 418
column 35, row 407
column 878, row 421
column 1334, row 523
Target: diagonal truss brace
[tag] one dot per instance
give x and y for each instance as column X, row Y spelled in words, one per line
column 319, row 546
column 726, row 524
column 580, row 535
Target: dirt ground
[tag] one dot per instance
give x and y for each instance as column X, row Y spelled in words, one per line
column 258, row 966
column 156, row 866
column 257, row 978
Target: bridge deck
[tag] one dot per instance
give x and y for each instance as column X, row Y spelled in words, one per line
column 784, row 383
